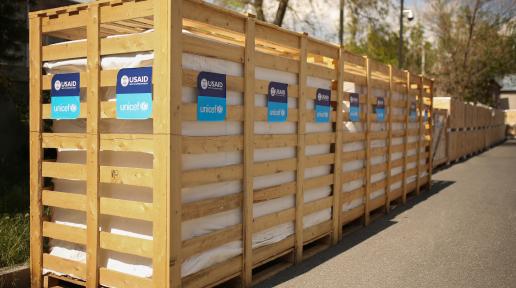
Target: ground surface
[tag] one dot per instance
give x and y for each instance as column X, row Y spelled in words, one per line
column 461, row 234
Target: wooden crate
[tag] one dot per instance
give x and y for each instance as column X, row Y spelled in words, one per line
column 216, row 33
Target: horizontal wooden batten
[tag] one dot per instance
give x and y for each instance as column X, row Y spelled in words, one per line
column 211, row 206
column 64, row 266
column 126, row 209
column 274, row 192
column 126, row 244
column 208, row 241
column 64, row 232
column 64, row 200
column 273, row 219
column 118, row 45
column 111, row 278
column 108, row 142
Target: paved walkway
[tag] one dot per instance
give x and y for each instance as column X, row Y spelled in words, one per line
column 461, row 234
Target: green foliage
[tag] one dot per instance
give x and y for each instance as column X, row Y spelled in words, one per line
column 14, row 239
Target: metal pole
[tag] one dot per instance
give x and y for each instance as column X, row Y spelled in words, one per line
column 400, row 46
column 341, row 23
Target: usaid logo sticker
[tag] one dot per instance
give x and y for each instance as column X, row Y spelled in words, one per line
column 380, row 109
column 322, row 106
column 134, row 93
column 211, row 97
column 65, row 99
column 277, row 102
column 354, row 107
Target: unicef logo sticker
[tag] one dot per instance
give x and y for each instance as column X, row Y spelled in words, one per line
column 144, row 106
column 124, row 81
column 204, row 83
column 219, row 109
column 73, row 108
column 273, row 91
column 57, row 85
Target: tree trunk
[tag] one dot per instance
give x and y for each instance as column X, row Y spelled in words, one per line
column 280, row 14
column 258, row 7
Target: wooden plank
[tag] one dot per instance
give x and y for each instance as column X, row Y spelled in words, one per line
column 274, row 192
column 63, row 170
column 126, row 209
column 273, row 219
column 337, row 165
column 368, row 142
column 212, row 175
column 65, row 233
column 93, row 147
column 64, row 200
column 211, row 206
column 420, row 130
column 405, row 139
column 111, row 278
column 127, row 175
column 64, row 266
column 301, row 159
column 108, row 142
column 389, row 144
column 205, row 242
column 215, row 274
column 36, row 153
column 249, row 142
column 126, row 244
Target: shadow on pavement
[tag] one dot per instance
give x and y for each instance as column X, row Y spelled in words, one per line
column 354, row 238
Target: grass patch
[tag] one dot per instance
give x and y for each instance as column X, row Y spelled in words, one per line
column 14, row 239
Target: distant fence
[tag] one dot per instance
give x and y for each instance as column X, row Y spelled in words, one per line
column 461, row 129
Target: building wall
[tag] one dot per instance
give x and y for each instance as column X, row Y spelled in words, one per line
column 508, row 100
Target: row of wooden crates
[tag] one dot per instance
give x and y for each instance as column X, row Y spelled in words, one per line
column 478, row 129
column 169, row 29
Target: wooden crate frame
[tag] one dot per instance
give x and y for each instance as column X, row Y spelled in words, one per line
column 241, row 39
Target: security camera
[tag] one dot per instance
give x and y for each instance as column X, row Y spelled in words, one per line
column 409, row 14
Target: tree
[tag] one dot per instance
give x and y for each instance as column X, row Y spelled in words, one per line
column 475, row 45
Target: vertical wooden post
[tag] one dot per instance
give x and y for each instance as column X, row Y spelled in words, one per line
column 167, row 74
column 36, row 153
column 247, row 205
column 300, row 172
column 369, row 94
column 337, row 167
column 389, row 146
column 420, row 132
column 405, row 141
column 93, row 145
column 430, row 123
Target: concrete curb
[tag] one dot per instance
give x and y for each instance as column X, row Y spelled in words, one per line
column 18, row 276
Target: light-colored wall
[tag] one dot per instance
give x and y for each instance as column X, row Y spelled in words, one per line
column 508, row 100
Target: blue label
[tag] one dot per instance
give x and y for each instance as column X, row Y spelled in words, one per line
column 354, row 107
column 211, row 99
column 380, row 109
column 277, row 102
column 65, row 99
column 322, row 106
column 134, row 93
column 413, row 112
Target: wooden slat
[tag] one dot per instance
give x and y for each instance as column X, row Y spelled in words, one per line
column 249, row 144
column 63, row 232
column 125, row 244
column 273, row 219
column 368, row 154
column 211, row 206
column 108, row 142
column 64, row 170
column 208, row 241
column 127, row 175
column 36, row 153
column 112, row 278
column 302, row 161
column 64, row 200
column 93, row 148
column 274, row 192
column 126, row 209
column 274, row 166
column 405, row 139
column 64, row 266
column 389, row 143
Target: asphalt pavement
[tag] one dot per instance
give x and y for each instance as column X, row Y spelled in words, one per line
column 460, row 234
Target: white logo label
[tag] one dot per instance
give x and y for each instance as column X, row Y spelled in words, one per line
column 273, row 91
column 204, row 83
column 124, row 80
column 219, row 109
column 57, row 85
column 73, row 107
column 144, row 106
